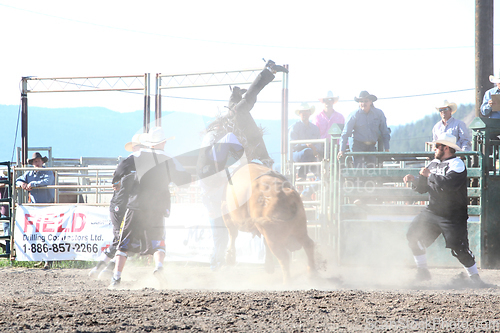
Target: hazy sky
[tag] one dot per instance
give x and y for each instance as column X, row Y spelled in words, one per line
column 390, row 48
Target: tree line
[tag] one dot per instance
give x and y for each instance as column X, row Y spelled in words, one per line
column 412, row 137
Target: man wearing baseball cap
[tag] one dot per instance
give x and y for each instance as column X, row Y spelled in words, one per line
column 445, row 179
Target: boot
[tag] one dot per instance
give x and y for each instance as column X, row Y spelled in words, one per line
column 271, row 65
column 478, row 283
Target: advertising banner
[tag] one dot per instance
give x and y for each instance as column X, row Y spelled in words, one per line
column 61, row 232
column 83, row 232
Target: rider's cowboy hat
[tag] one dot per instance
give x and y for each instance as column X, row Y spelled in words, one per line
column 304, row 107
column 329, row 97
column 446, row 104
column 136, row 141
column 365, row 94
column 37, row 155
column 155, row 136
column 447, row 139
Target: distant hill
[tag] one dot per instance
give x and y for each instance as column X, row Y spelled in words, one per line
column 100, row 132
column 412, row 137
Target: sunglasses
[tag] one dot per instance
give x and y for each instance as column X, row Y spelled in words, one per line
column 438, row 146
column 445, row 109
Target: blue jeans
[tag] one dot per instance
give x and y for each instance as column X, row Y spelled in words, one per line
column 367, row 161
column 305, row 155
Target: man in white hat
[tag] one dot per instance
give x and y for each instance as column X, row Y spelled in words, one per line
column 148, row 203
column 304, row 130
column 453, row 126
column 117, row 207
column 367, row 125
column 487, row 106
column 445, row 179
column 328, row 116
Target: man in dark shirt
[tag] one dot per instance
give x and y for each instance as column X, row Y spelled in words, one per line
column 148, row 203
column 122, row 182
column 445, row 179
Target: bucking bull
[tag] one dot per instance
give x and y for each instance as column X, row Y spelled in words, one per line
column 262, row 201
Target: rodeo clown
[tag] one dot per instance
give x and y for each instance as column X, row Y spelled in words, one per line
column 148, row 203
column 445, row 179
column 123, row 178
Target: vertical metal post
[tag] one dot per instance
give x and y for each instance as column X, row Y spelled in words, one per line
column 483, row 49
column 146, row 102
column 158, row 100
column 284, row 122
column 24, row 122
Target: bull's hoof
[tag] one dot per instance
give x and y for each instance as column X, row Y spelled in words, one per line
column 230, row 259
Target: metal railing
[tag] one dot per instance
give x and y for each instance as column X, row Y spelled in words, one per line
column 317, row 206
column 374, row 206
column 6, row 200
column 81, row 185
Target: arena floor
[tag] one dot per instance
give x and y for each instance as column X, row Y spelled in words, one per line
column 246, row 299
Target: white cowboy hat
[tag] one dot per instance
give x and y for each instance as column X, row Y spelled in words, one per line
column 329, row 97
column 136, row 141
column 446, row 104
column 494, row 79
column 304, row 107
column 447, row 139
column 155, row 136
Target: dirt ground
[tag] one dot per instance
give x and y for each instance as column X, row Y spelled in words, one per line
column 246, row 299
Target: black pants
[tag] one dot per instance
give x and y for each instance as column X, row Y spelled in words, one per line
column 425, row 229
column 245, row 122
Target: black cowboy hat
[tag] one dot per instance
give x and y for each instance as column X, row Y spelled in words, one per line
column 365, row 94
column 37, row 155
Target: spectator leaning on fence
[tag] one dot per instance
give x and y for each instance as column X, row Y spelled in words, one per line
column 366, row 125
column 35, row 182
